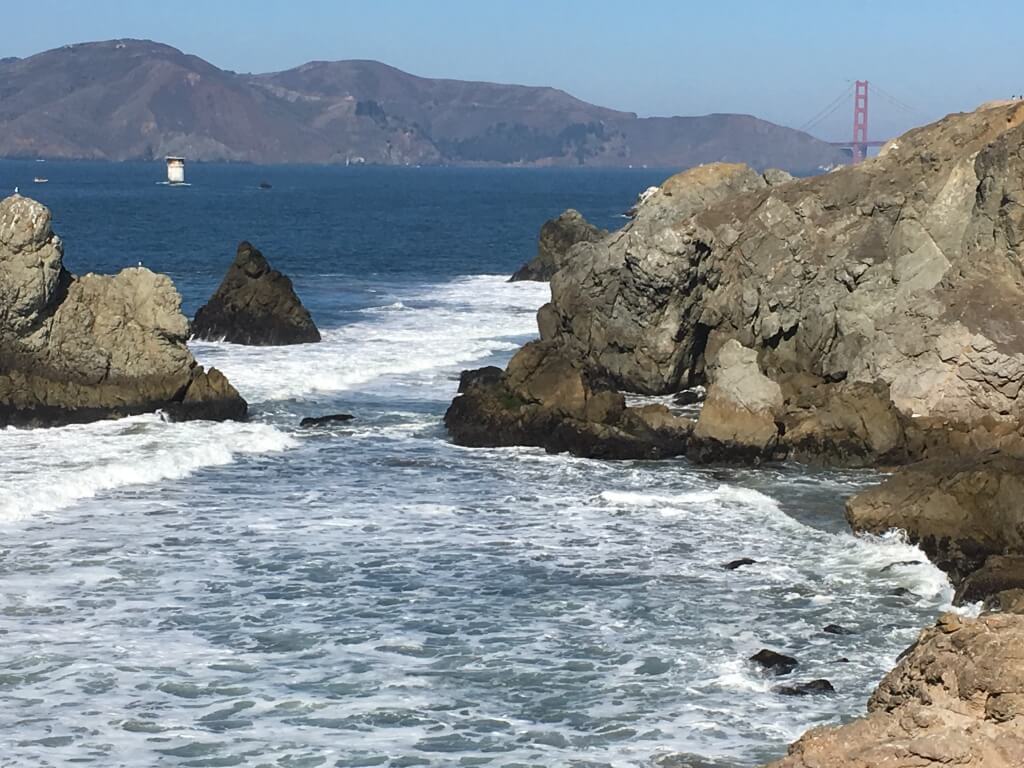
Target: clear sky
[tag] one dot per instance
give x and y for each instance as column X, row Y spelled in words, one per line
column 783, row 60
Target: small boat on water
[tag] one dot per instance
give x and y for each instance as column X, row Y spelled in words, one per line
column 39, row 180
column 264, row 185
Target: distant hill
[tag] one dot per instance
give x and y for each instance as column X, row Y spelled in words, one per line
column 138, row 99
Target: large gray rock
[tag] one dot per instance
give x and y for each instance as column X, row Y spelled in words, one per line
column 741, row 409
column 555, row 245
column 81, row 348
column 256, row 305
column 955, row 698
column 903, row 271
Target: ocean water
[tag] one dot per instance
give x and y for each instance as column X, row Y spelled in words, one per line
column 370, row 594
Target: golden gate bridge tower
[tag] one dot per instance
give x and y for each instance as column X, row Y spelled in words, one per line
column 860, row 142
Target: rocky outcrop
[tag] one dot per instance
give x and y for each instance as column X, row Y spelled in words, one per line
column 555, row 243
column 544, row 399
column 955, row 698
column 254, row 305
column 960, row 511
column 82, row 348
column 902, row 273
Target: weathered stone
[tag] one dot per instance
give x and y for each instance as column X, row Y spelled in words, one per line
column 555, row 245
column 811, row 688
column 739, row 416
column 254, row 305
column 959, row 511
column 332, row 418
column 774, row 662
column 956, row 698
column 76, row 349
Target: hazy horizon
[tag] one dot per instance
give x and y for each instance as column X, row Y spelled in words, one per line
column 783, row 64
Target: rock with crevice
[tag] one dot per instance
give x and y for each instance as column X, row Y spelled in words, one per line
column 75, row 349
column 955, row 698
column 256, row 305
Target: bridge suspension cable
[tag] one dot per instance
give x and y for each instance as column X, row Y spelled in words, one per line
column 828, row 110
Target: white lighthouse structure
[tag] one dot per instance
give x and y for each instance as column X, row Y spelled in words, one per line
column 175, row 170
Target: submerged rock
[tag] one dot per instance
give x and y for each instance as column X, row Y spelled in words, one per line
column 836, row 629
column 812, row 688
column 555, row 245
column 319, row 421
column 774, row 662
column 75, row 349
column 254, row 305
column 734, row 564
column 955, row 698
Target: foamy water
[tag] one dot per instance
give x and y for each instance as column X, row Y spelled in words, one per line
column 369, row 594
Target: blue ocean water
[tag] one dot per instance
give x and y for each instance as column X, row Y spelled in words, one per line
column 256, row 594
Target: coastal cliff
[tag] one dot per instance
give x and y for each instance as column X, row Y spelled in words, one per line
column 866, row 317
column 76, row 349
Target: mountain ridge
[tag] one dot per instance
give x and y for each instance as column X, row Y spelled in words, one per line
column 140, row 99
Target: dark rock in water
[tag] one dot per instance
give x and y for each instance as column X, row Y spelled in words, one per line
column 842, row 660
column 776, row 663
column 734, row 564
column 836, row 629
column 814, row 687
column 77, row 349
column 542, row 399
column 487, row 376
column 689, row 396
column 1000, row 573
column 265, row 185
column 557, row 238
column 900, row 592
column 333, row 418
column 254, row 305
column 689, row 760
column 899, row 564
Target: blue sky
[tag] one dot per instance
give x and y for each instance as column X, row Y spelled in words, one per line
column 782, row 60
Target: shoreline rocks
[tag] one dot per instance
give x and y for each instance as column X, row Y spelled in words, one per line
column 557, row 238
column 254, row 305
column 77, row 349
column 955, row 698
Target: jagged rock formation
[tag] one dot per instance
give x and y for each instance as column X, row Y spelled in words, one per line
column 901, row 270
column 882, row 298
column 557, row 237
column 956, row 698
column 254, row 305
column 82, row 348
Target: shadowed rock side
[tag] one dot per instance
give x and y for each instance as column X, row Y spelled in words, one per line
column 254, row 305
column 955, row 698
column 76, row 349
column 543, row 399
column 554, row 246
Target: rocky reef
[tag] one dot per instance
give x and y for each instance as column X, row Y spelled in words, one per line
column 76, row 349
column 554, row 244
column 254, row 305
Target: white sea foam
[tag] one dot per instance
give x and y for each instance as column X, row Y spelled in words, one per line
column 435, row 328
column 42, row 470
